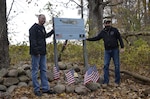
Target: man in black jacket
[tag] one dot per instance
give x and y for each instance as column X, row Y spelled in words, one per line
column 37, row 38
column 110, row 36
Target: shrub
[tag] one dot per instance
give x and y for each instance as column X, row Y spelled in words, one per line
column 136, row 55
column 19, row 53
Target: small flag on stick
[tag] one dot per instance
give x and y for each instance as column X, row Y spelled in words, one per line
column 70, row 76
column 56, row 72
column 88, row 75
column 91, row 75
column 95, row 74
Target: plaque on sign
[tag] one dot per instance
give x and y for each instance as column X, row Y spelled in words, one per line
column 68, row 28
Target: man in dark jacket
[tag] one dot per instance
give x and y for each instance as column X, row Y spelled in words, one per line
column 110, row 36
column 37, row 38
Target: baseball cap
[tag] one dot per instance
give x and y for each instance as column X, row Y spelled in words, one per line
column 107, row 21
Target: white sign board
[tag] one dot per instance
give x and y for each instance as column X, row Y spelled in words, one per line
column 67, row 28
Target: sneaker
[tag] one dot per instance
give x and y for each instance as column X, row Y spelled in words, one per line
column 50, row 92
column 116, row 85
column 38, row 93
column 104, row 85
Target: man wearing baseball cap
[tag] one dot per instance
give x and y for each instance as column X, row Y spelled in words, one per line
column 111, row 36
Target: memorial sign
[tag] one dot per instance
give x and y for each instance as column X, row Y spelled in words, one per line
column 69, row 28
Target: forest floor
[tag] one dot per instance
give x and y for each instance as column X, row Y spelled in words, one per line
column 130, row 88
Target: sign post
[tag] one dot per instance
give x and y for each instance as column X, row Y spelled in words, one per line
column 55, row 52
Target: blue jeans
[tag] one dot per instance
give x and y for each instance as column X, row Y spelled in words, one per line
column 39, row 63
column 114, row 53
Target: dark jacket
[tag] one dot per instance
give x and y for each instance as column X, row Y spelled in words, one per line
column 37, row 39
column 110, row 36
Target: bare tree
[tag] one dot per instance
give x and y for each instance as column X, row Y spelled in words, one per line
column 4, row 44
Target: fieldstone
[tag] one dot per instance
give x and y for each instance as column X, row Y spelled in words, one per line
column 69, row 65
column 1, row 80
column 77, row 81
column 30, row 84
column 13, row 73
column 21, row 72
column 50, row 76
column 83, row 71
column 81, row 90
column 10, row 81
column 52, row 85
column 101, row 79
column 27, row 67
column 62, row 66
column 93, row 86
column 11, row 88
column 3, row 88
column 24, row 78
column 77, row 69
column 24, row 66
column 21, row 84
column 5, row 95
column 75, row 65
column 61, row 80
column 70, row 89
column 28, row 73
column 59, row 88
column 3, row 72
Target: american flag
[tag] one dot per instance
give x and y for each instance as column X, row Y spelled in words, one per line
column 88, row 75
column 91, row 75
column 70, row 76
column 95, row 74
column 56, row 72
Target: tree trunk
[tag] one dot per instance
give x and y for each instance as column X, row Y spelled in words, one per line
column 135, row 75
column 95, row 15
column 145, row 12
column 148, row 12
column 4, row 44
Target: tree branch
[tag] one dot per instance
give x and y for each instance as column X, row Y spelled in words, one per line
column 135, row 75
column 115, row 4
column 76, row 3
column 136, row 34
column 10, row 9
column 105, row 3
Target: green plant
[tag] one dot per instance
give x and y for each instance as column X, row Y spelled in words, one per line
column 134, row 56
column 18, row 53
column 137, row 55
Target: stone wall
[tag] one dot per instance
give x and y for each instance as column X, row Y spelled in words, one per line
column 21, row 76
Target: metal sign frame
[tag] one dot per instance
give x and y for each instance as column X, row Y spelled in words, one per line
column 69, row 29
